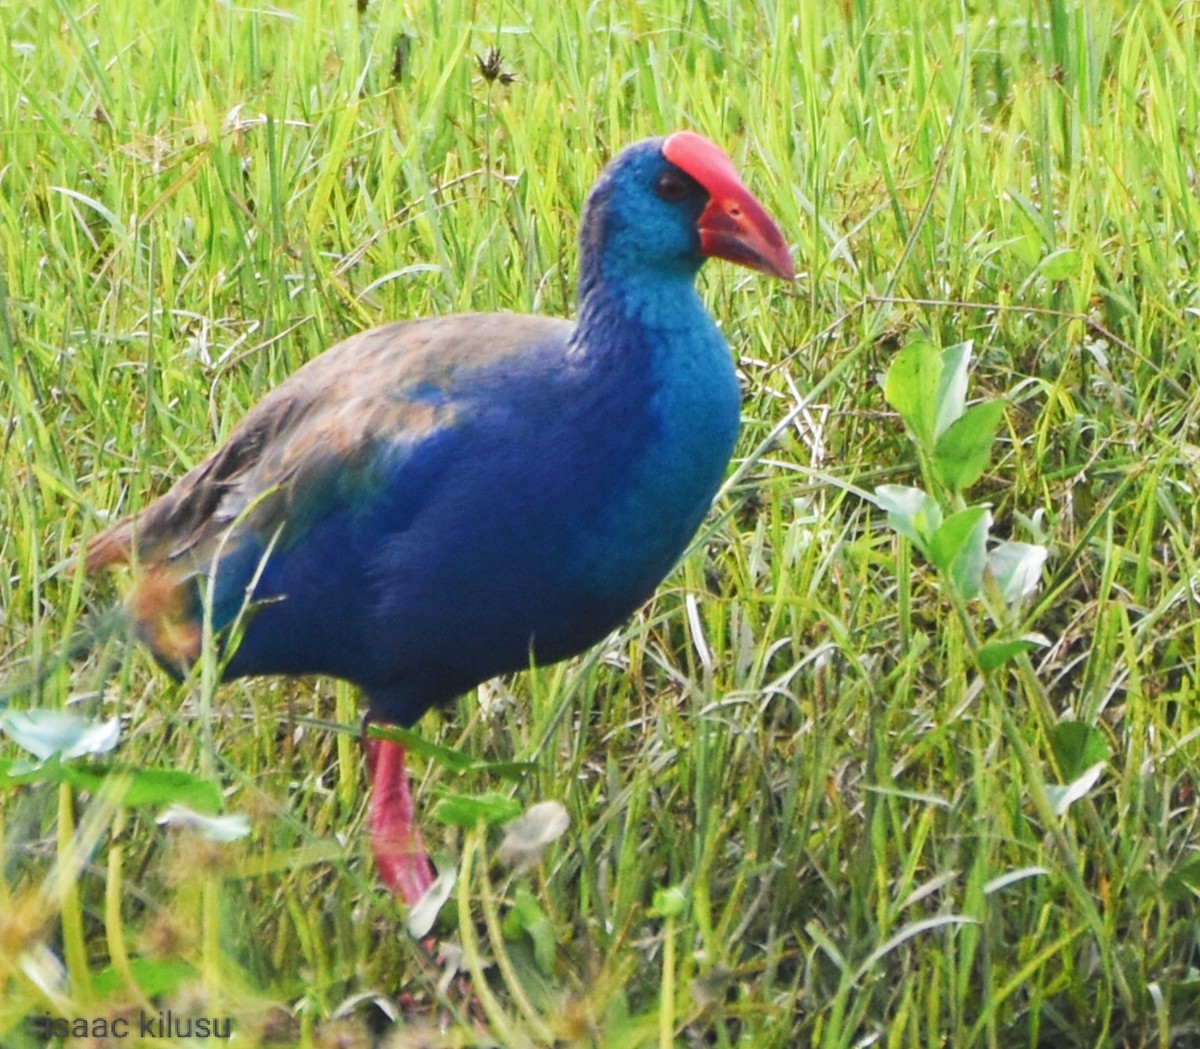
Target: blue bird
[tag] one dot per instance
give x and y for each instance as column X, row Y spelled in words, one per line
column 434, row 502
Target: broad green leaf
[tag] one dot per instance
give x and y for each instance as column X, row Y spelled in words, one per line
column 45, row 733
column 959, row 548
column 526, row 916
column 911, row 387
column 466, row 810
column 996, row 653
column 951, row 397
column 911, row 512
column 1077, row 747
column 131, row 787
column 964, row 450
column 1017, row 568
column 152, row 786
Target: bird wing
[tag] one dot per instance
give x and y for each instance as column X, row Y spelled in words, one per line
column 333, row 429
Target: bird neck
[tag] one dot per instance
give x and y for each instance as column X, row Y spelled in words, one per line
column 616, row 298
column 654, row 363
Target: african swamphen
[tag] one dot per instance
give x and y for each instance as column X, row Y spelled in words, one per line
column 432, row 503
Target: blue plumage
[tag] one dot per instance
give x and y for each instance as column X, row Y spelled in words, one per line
column 427, row 504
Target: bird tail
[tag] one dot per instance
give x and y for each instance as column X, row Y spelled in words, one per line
column 111, row 547
column 161, row 602
column 163, row 609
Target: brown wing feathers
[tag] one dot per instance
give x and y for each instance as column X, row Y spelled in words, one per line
column 306, row 435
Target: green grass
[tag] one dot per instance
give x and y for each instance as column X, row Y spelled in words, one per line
column 196, row 198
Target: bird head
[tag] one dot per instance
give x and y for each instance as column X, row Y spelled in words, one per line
column 662, row 206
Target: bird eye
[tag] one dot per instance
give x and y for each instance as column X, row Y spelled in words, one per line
column 670, row 187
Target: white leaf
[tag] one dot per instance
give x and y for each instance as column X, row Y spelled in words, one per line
column 910, row 511
column 211, row 828
column 423, row 913
column 952, row 386
column 1063, row 797
column 1004, row 880
column 1017, row 569
column 45, row 733
column 527, row 837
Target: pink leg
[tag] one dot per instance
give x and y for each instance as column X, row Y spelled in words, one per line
column 400, row 854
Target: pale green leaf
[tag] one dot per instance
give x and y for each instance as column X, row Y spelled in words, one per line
column 1016, row 568
column 964, row 450
column 465, row 810
column 959, row 548
column 911, row 512
column 911, row 388
column 951, row 398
